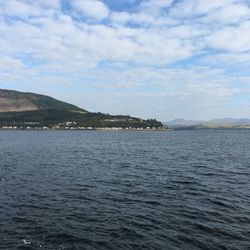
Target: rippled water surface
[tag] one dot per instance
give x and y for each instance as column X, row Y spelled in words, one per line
column 125, row 190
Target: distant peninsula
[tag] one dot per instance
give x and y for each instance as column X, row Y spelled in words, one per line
column 224, row 123
column 19, row 110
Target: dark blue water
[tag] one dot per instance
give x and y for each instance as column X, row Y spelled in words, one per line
column 125, row 190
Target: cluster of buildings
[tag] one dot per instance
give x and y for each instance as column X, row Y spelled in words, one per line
column 71, row 125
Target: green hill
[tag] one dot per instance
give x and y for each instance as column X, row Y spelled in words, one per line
column 24, row 110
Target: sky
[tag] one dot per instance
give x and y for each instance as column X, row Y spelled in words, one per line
column 162, row 59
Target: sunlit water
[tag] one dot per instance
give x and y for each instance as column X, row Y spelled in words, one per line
column 125, row 190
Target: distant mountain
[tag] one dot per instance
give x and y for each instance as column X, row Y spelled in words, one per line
column 21, row 110
column 230, row 121
column 183, row 122
column 224, row 122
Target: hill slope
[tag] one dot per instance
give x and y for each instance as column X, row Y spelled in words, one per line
column 14, row 101
column 20, row 110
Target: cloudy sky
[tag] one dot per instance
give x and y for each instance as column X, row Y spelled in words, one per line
column 161, row 59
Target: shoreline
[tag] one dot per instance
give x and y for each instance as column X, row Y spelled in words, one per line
column 83, row 129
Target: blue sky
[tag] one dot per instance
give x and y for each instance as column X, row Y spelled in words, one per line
column 161, row 59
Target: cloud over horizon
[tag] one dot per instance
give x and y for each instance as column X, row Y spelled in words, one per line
column 147, row 58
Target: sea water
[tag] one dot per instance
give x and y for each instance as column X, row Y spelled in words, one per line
column 125, row 190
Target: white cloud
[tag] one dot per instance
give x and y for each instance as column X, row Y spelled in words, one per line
column 236, row 38
column 19, row 9
column 91, row 8
column 229, row 14
column 129, row 54
column 8, row 63
column 141, row 18
column 189, row 8
column 212, row 12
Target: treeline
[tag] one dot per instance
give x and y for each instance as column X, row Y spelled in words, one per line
column 52, row 117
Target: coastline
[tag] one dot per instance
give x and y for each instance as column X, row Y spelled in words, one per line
column 86, row 129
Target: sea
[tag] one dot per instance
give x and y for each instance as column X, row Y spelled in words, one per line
column 125, row 190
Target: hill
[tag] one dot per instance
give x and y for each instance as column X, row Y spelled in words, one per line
column 214, row 123
column 22, row 110
column 183, row 122
column 14, row 101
